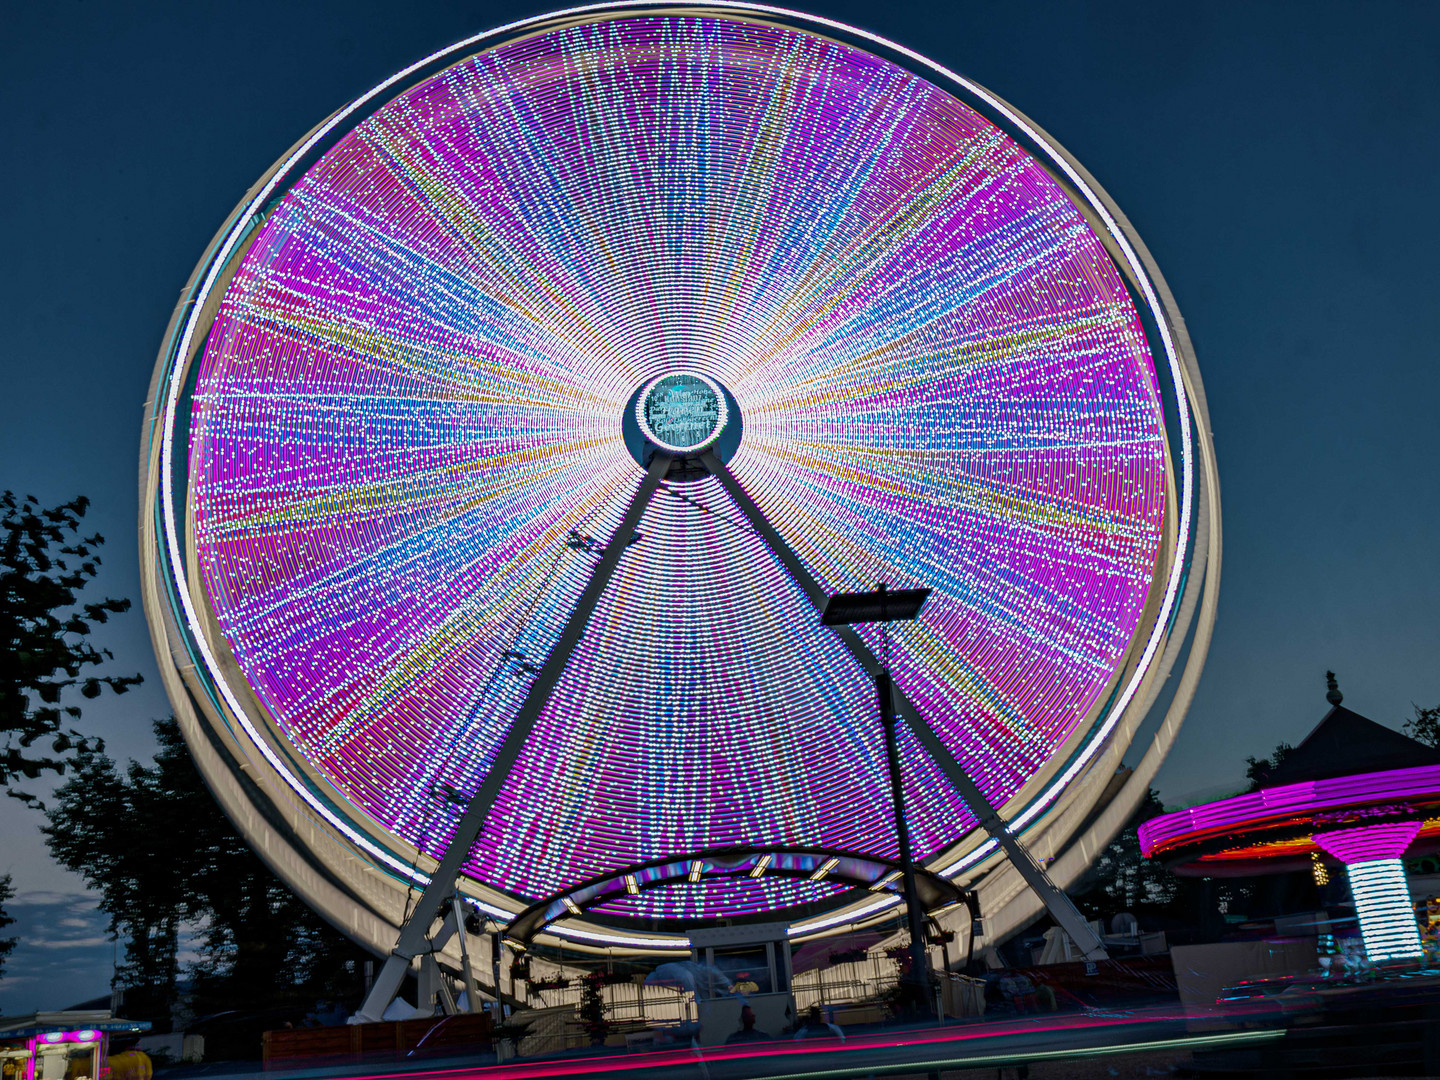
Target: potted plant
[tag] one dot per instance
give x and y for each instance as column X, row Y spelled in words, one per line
column 592, row 1007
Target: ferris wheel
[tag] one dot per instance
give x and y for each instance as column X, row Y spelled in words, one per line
column 513, row 430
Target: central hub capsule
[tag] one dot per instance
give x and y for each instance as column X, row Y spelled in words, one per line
column 682, row 412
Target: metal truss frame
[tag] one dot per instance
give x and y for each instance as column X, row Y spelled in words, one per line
column 414, row 940
column 1060, row 906
column 414, row 934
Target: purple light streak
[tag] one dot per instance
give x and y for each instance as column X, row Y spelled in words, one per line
column 1369, row 842
column 1297, row 803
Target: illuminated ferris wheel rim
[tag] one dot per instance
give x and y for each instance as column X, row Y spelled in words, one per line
column 184, row 350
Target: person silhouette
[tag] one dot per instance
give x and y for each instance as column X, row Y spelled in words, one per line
column 747, row 1032
column 815, row 1026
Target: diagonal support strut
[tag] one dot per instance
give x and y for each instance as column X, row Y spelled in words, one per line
column 1062, row 909
column 413, row 935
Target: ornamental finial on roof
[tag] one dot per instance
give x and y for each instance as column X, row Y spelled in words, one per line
column 1333, row 694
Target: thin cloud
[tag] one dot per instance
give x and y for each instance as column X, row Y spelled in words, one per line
column 47, row 898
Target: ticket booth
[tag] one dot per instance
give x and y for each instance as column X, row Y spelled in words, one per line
column 60, row 1045
column 754, row 962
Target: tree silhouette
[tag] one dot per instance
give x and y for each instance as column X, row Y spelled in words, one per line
column 7, row 945
column 45, row 564
column 1424, row 726
column 1258, row 770
column 1121, row 879
column 129, row 839
column 163, row 856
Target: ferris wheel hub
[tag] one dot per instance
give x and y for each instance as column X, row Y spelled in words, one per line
column 682, row 412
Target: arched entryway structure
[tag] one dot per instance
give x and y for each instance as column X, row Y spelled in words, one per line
column 608, row 892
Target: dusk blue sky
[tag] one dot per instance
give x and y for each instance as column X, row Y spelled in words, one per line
column 1280, row 160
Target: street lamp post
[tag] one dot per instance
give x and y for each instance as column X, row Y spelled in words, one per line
column 885, row 605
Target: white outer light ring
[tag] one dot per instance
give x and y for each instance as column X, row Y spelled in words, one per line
column 722, row 413
column 1041, row 143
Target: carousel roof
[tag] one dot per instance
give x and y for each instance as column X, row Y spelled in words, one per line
column 1344, row 743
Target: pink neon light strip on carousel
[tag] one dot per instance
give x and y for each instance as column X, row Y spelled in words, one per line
column 1289, row 802
column 1370, row 842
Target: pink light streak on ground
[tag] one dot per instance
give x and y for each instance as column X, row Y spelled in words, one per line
column 781, row 1047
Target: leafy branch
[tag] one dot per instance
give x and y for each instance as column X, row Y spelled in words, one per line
column 45, row 565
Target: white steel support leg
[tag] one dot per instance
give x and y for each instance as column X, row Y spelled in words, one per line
column 413, row 935
column 472, row 992
column 1062, row 909
column 434, row 987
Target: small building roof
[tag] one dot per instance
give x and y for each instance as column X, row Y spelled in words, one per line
column 37, row 1023
column 1343, row 743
